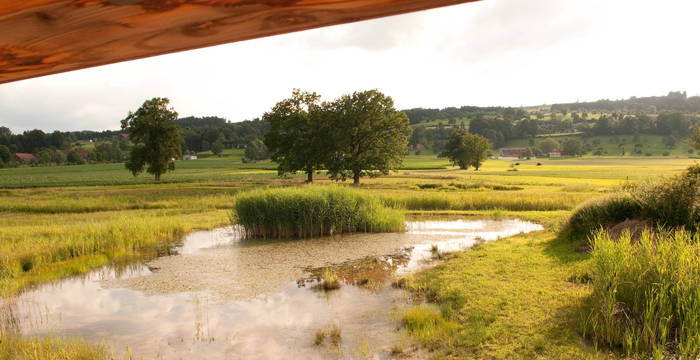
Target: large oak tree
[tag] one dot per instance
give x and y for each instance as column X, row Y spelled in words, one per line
column 295, row 140
column 465, row 149
column 156, row 137
column 368, row 135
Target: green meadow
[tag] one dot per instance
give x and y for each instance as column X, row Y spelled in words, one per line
column 518, row 297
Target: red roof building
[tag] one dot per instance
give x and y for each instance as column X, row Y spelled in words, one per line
column 82, row 153
column 25, row 157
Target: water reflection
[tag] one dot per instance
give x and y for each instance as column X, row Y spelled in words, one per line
column 223, row 297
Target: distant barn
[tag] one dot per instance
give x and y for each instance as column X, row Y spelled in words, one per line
column 513, row 153
column 25, row 158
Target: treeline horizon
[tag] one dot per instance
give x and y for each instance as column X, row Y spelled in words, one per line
column 660, row 115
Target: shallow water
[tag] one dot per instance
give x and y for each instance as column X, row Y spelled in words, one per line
column 221, row 296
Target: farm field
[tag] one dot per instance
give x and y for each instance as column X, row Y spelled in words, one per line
column 63, row 221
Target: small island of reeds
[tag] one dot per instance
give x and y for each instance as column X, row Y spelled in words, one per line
column 313, row 210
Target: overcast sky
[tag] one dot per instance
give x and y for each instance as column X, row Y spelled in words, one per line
column 494, row 52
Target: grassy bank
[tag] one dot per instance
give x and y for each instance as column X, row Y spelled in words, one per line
column 512, row 298
column 313, row 211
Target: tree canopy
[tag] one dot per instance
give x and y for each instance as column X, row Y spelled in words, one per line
column 465, row 149
column 156, row 137
column 295, row 138
column 369, row 137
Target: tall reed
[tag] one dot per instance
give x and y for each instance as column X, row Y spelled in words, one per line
column 481, row 201
column 312, row 211
column 646, row 294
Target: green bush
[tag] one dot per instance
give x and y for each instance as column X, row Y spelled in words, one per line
column 646, row 294
column 672, row 203
column 600, row 212
column 313, row 211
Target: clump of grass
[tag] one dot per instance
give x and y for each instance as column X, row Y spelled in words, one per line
column 427, row 325
column 329, row 280
column 435, row 251
column 429, row 186
column 396, row 349
column 646, row 294
column 313, row 211
column 320, row 337
column 335, row 334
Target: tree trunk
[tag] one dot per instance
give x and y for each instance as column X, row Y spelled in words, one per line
column 309, row 176
column 356, row 178
column 157, row 177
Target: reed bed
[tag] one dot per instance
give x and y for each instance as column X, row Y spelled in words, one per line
column 502, row 200
column 44, row 247
column 313, row 210
column 646, row 294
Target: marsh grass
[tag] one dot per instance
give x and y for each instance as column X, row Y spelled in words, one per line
column 491, row 200
column 45, row 247
column 646, row 294
column 319, row 337
column 335, row 334
column 426, row 324
column 14, row 347
column 329, row 280
column 311, row 211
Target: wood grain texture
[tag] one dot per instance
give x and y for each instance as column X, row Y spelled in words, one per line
column 41, row 37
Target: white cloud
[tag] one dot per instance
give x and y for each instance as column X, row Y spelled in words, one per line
column 495, row 52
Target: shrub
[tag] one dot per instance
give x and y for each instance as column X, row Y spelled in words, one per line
column 646, row 294
column 312, row 211
column 600, row 212
column 673, row 202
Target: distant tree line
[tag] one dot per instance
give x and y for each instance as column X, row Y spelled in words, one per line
column 60, row 147
column 674, row 101
column 199, row 134
column 215, row 133
column 666, row 123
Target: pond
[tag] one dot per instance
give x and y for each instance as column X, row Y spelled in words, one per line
column 221, row 296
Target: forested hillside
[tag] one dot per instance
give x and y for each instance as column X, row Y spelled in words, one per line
column 672, row 116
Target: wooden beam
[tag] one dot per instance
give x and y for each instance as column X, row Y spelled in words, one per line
column 41, row 37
